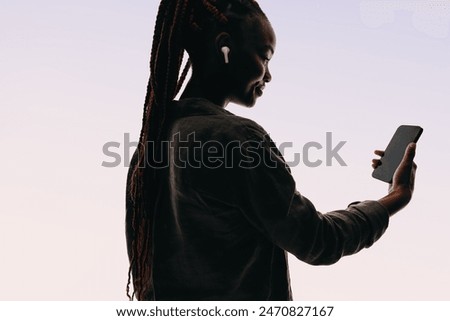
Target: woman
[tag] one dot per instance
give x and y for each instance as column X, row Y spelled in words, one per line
column 212, row 206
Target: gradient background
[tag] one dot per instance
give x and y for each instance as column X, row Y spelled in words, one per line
column 73, row 77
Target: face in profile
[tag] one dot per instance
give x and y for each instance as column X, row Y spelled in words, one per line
column 250, row 65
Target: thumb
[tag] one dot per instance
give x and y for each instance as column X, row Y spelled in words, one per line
column 410, row 152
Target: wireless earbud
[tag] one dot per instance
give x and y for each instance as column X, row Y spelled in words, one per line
column 226, row 51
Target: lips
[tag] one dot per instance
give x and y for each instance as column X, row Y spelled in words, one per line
column 259, row 90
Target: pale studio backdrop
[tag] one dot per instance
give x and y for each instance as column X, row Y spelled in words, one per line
column 73, row 77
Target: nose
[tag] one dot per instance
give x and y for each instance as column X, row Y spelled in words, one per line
column 267, row 75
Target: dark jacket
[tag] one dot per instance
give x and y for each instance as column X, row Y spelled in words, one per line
column 228, row 210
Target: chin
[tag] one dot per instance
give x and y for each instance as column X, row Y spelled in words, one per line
column 247, row 104
column 251, row 105
column 249, row 101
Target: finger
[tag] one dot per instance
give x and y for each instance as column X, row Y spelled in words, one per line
column 402, row 175
column 379, row 152
column 376, row 163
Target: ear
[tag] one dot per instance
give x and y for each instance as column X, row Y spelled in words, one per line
column 223, row 39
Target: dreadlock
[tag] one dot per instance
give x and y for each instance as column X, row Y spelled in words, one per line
column 180, row 25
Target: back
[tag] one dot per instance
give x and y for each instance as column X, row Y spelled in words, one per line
column 204, row 247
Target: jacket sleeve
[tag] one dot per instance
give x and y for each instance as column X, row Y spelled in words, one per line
column 268, row 198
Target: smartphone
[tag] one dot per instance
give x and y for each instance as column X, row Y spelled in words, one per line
column 394, row 152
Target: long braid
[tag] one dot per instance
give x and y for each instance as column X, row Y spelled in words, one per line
column 132, row 219
column 159, row 93
column 175, row 20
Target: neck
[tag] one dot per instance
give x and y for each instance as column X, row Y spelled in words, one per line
column 209, row 89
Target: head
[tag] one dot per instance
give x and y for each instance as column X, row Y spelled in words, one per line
column 250, row 52
column 247, row 35
column 201, row 28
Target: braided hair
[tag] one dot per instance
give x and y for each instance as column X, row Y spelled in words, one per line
column 181, row 25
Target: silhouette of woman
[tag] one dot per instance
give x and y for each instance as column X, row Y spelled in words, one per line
column 212, row 207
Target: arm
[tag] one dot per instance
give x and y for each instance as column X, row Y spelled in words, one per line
column 274, row 206
column 260, row 184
